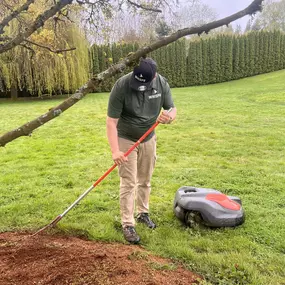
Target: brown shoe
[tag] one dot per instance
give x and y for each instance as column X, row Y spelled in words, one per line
column 130, row 234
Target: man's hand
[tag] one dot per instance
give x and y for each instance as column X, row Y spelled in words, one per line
column 119, row 157
column 164, row 118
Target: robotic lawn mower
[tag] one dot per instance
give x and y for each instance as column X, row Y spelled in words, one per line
column 209, row 207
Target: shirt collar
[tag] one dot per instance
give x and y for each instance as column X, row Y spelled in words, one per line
column 153, row 83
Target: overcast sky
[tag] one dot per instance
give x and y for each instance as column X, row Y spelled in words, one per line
column 227, row 7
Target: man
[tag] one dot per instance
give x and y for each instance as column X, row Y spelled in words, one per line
column 135, row 105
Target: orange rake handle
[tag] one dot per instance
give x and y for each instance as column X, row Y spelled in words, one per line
column 59, row 217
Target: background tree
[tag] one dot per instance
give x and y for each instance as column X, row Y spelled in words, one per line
column 272, row 16
column 225, row 30
column 238, row 30
column 248, row 26
column 122, row 27
column 256, row 25
column 90, row 11
column 192, row 14
column 162, row 29
column 48, row 61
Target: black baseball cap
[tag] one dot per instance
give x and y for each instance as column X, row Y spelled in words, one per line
column 143, row 74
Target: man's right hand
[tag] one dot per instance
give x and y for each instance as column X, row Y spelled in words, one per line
column 119, row 157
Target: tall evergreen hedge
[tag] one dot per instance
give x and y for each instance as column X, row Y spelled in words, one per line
column 204, row 61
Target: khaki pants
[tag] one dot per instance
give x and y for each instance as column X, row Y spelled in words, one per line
column 135, row 177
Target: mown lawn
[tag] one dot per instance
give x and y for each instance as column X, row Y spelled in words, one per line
column 228, row 136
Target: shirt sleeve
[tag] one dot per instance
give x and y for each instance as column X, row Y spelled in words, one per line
column 115, row 104
column 168, row 101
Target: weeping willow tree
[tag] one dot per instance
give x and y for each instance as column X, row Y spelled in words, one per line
column 48, row 63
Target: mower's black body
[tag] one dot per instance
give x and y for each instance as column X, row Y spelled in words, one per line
column 208, row 207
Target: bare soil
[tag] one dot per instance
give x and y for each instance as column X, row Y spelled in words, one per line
column 60, row 260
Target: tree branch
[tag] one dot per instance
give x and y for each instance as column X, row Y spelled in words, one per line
column 28, row 48
column 39, row 22
column 28, row 128
column 4, row 38
column 144, row 7
column 14, row 14
column 48, row 48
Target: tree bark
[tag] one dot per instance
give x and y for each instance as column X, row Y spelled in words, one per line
column 27, row 129
column 38, row 23
column 14, row 93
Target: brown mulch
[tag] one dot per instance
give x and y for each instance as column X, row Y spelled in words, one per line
column 60, row 260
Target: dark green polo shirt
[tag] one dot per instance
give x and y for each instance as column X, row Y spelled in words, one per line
column 137, row 111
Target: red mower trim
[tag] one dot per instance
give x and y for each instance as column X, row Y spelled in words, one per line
column 224, row 201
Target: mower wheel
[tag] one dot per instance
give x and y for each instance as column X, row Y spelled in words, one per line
column 193, row 219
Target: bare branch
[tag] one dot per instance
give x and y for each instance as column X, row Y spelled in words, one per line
column 144, row 7
column 84, row 2
column 14, row 14
column 27, row 47
column 39, row 22
column 64, row 15
column 28, row 128
column 5, row 38
column 48, row 48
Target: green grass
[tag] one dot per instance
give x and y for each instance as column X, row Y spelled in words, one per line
column 227, row 136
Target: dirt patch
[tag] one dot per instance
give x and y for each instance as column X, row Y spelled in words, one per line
column 59, row 260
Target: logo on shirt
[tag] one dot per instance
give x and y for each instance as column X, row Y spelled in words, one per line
column 154, row 96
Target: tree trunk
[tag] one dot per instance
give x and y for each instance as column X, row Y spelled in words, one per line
column 14, row 93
